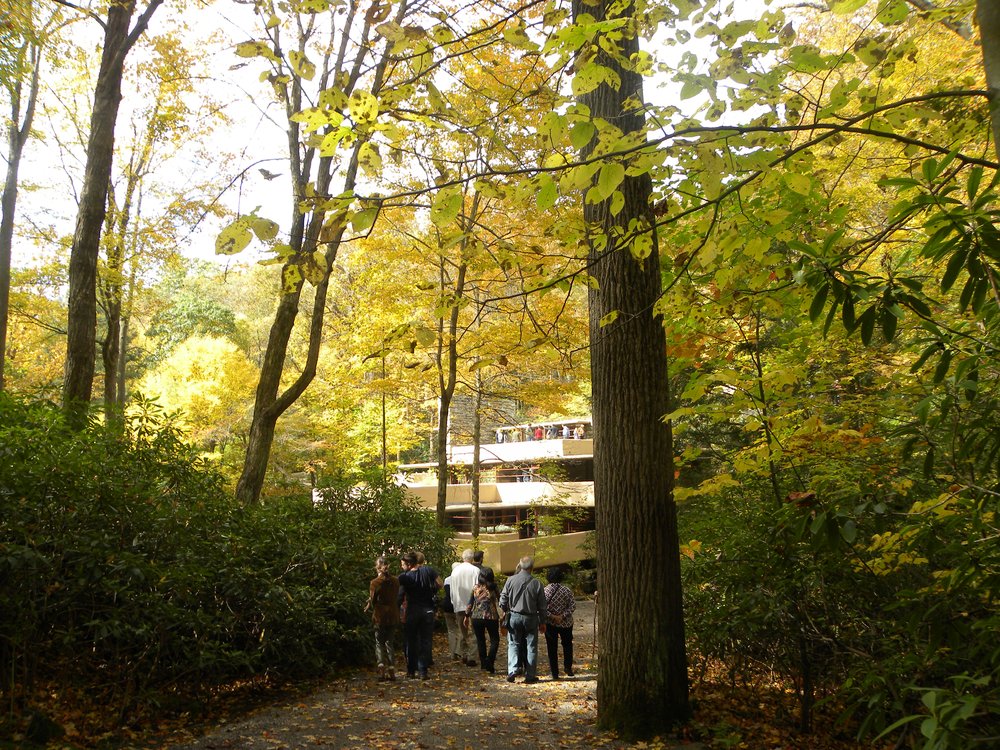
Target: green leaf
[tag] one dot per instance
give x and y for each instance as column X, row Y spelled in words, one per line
column 547, row 193
column 867, row 324
column 843, row 7
column 362, row 221
column 581, row 134
column 955, row 264
column 848, row 311
column 256, row 49
column 929, row 462
column 425, row 336
column 942, row 366
column 591, row 75
column 265, row 229
column 849, row 531
column 617, row 203
column 611, row 176
column 446, row 206
column 234, row 238
column 642, row 246
column 972, row 185
column 891, row 12
column 363, row 107
column 798, row 183
column 889, row 322
column 302, row 66
column 291, row 278
column 818, row 302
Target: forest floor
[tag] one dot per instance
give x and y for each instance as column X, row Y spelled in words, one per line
column 463, row 707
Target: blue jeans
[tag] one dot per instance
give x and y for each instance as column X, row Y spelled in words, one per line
column 523, row 632
column 419, row 635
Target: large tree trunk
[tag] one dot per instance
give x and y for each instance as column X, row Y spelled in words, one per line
column 17, row 135
column 988, row 15
column 82, row 307
column 642, row 690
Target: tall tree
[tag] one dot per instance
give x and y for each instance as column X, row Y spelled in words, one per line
column 145, row 217
column 352, row 73
column 82, row 311
column 23, row 38
column 643, row 689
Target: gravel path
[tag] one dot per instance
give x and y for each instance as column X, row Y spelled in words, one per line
column 458, row 707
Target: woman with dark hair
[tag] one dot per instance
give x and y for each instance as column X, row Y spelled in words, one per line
column 485, row 617
column 560, row 605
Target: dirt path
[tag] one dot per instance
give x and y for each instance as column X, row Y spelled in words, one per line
column 458, row 707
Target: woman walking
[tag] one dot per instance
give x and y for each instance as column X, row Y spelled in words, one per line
column 560, row 605
column 485, row 617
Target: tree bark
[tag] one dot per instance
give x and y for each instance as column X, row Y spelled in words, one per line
column 988, row 15
column 82, row 307
column 643, row 689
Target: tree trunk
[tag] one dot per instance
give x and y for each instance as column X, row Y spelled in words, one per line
column 122, row 356
column 642, row 690
column 82, row 307
column 447, row 363
column 17, row 135
column 988, row 15
column 110, row 352
column 477, row 439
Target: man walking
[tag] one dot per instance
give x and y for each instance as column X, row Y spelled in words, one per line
column 417, row 584
column 464, row 577
column 523, row 598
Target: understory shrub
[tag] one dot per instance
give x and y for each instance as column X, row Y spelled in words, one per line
column 127, row 568
column 886, row 605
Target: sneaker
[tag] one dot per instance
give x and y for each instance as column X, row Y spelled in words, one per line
column 510, row 678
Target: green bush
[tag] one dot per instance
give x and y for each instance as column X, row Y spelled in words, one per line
column 125, row 566
column 888, row 605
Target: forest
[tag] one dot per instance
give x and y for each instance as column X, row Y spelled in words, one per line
column 252, row 248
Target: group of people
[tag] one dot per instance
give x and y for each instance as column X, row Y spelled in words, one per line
column 476, row 613
column 540, row 432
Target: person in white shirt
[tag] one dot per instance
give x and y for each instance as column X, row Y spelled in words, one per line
column 464, row 577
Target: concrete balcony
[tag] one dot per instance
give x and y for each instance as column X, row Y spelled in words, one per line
column 527, row 450
column 506, row 493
